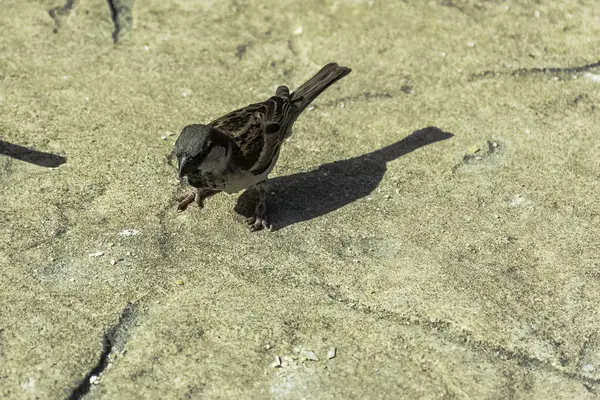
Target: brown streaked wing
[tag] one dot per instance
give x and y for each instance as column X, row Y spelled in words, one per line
column 246, row 127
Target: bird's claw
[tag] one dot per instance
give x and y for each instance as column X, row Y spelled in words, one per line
column 185, row 201
column 258, row 222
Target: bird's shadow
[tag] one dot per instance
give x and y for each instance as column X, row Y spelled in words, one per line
column 36, row 157
column 307, row 195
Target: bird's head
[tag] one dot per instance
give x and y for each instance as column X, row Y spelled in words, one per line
column 201, row 148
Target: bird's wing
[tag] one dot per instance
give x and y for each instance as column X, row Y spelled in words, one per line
column 258, row 129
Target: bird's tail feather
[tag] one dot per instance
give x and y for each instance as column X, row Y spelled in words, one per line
column 313, row 87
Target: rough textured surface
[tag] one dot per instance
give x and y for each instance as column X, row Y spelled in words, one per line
column 456, row 268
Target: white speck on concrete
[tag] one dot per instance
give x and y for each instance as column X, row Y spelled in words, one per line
column 588, row 369
column 129, row 232
column 29, row 385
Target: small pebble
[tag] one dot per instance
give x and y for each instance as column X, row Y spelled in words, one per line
column 180, row 282
column 310, row 355
column 97, row 254
column 94, row 380
column 588, row 369
column 113, row 262
column 277, row 362
column 163, row 137
column 268, row 347
column 331, row 353
column 470, row 44
column 298, row 31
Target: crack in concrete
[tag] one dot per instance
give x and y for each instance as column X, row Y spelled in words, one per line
column 58, row 13
column 365, row 96
column 113, row 342
column 121, row 13
column 543, row 70
column 122, row 16
column 464, row 338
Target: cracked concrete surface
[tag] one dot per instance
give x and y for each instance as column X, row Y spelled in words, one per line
column 436, row 211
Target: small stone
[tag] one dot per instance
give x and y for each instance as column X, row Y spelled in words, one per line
column 72, row 279
column 169, row 133
column 94, row 380
column 537, row 14
column 97, row 254
column 298, row 31
column 277, row 362
column 470, row 44
column 310, row 108
column 331, row 353
column 113, row 262
column 163, row 137
column 588, row 369
column 443, row 54
column 473, row 149
column 268, row 347
column 310, row 355
column 147, row 48
column 180, row 282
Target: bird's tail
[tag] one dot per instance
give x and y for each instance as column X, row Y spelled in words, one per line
column 313, row 87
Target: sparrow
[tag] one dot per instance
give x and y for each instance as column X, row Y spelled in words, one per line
column 238, row 150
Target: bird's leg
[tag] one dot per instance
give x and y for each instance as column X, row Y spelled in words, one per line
column 259, row 220
column 198, row 195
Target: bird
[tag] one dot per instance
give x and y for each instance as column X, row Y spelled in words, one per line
column 239, row 150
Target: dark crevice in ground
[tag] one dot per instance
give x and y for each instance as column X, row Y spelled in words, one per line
column 557, row 71
column 113, row 342
column 58, row 13
column 122, row 16
column 449, row 331
column 553, row 70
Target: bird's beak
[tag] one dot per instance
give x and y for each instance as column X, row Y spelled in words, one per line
column 182, row 167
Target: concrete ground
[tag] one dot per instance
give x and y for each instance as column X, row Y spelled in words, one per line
column 436, row 215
